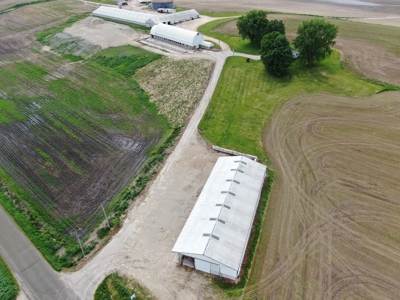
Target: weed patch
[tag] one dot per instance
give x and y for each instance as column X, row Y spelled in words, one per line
column 8, row 285
column 117, row 287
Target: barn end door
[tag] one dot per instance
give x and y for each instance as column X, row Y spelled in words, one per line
column 214, row 269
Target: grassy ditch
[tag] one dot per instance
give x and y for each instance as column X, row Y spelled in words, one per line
column 243, row 103
column 119, row 205
column 117, row 287
column 8, row 285
column 235, row 42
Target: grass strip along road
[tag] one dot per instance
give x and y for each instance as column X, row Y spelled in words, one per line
column 40, row 280
column 8, row 285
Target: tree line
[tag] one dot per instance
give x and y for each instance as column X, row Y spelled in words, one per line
column 313, row 42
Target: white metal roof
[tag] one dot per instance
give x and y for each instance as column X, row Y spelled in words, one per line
column 144, row 19
column 177, row 17
column 220, row 223
column 123, row 15
column 184, row 36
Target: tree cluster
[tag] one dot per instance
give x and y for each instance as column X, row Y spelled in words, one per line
column 254, row 25
column 314, row 40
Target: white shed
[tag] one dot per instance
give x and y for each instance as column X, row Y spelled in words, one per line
column 177, row 35
column 215, row 236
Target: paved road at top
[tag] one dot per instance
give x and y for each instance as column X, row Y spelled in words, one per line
column 36, row 278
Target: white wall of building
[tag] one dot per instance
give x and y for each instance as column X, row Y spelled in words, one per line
column 202, row 265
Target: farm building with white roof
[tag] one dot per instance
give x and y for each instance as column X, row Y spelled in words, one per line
column 179, row 36
column 215, row 236
column 144, row 19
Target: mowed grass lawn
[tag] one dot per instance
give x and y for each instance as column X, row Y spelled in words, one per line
column 246, row 98
column 235, row 42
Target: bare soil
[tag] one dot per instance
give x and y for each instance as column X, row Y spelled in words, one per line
column 333, row 226
column 103, row 33
column 388, row 12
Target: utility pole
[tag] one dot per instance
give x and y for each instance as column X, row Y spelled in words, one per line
column 80, row 244
column 105, row 216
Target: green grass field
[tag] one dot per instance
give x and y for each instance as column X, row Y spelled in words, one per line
column 235, row 42
column 246, row 97
column 8, row 285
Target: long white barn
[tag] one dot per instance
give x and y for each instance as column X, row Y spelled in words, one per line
column 215, row 236
column 144, row 19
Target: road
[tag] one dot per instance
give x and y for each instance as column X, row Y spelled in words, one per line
column 35, row 276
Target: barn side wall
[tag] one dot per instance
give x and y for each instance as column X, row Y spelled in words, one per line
column 156, row 5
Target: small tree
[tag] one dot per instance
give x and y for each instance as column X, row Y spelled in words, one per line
column 253, row 26
column 315, row 39
column 276, row 53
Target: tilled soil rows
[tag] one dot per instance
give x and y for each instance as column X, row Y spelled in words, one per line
column 71, row 135
column 333, row 218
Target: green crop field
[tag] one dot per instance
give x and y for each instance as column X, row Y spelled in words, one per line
column 73, row 135
column 8, row 285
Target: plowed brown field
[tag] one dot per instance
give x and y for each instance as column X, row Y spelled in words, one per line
column 333, row 219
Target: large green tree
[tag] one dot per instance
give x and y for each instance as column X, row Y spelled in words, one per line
column 276, row 53
column 315, row 39
column 275, row 25
column 253, row 26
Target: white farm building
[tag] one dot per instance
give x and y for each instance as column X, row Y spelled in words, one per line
column 215, row 236
column 144, row 19
column 180, row 36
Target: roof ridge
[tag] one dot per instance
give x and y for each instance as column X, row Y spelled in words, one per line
column 222, row 206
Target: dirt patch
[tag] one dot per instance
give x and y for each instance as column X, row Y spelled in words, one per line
column 175, row 85
column 103, row 33
column 92, row 34
column 370, row 61
column 333, row 218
